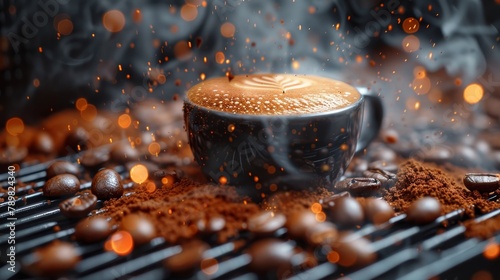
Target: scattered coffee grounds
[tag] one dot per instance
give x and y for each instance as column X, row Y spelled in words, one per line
column 484, row 229
column 291, row 201
column 417, row 179
column 176, row 209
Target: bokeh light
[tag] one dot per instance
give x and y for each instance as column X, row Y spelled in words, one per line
column 227, row 29
column 189, row 12
column 113, row 21
column 473, row 93
column 411, row 25
column 421, row 86
column 65, row 27
column 316, row 208
column 182, row 49
column 139, row 173
column 154, row 148
column 124, row 120
column 121, row 243
column 411, row 43
column 209, row 266
column 81, row 104
column 89, row 113
column 492, row 251
column 14, row 126
column 220, row 57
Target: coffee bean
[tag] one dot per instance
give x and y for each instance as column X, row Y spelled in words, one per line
column 354, row 252
column 42, row 143
column 266, row 222
column 358, row 186
column 107, row 184
column 388, row 166
column 79, row 206
column 270, row 254
column 95, row 157
column 346, row 212
column 52, row 260
column 188, row 259
column 62, row 167
column 140, row 227
column 11, row 155
column 93, row 229
column 424, row 210
column 211, row 224
column 61, row 185
column 386, row 178
column 123, row 152
column 321, row 234
column 298, row 222
column 482, row 182
column 377, row 211
column 75, row 141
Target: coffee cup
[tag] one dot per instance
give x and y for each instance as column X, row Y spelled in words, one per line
column 269, row 132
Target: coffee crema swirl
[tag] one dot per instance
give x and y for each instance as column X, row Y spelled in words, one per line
column 273, row 94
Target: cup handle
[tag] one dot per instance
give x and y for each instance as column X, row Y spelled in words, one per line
column 372, row 119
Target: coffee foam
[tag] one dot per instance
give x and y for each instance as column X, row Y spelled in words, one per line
column 273, row 94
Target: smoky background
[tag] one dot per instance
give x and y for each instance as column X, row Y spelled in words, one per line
column 434, row 63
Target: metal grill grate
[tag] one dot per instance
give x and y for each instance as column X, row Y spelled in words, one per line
column 404, row 251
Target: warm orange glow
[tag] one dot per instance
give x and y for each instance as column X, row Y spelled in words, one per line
column 333, row 257
column 209, row 266
column 36, row 83
column 189, row 12
column 321, row 217
column 227, row 29
column 316, row 208
column 124, row 120
column 81, row 104
column 14, row 126
column 295, row 65
column 473, row 93
column 419, row 72
column 492, row 251
column 113, row 21
column 222, row 180
column 271, row 169
column 220, row 57
column 89, row 113
column 150, row 187
column 231, row 127
column 421, row 86
column 182, row 49
column 139, row 173
column 137, row 16
column 65, row 26
column 154, row 148
column 273, row 187
column 410, row 25
column 417, row 105
column 411, row 43
column 482, row 275
column 203, row 76
column 122, row 242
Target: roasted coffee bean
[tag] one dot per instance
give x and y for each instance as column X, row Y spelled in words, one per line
column 298, row 222
column 386, row 178
column 346, row 212
column 482, row 182
column 52, row 260
column 107, row 184
column 95, row 157
column 211, row 224
column 328, row 202
column 93, row 229
column 140, row 227
column 266, row 222
column 79, row 206
column 377, row 211
column 75, row 141
column 354, row 252
column 321, row 234
column 358, row 186
column 424, row 210
column 62, row 167
column 11, row 155
column 270, row 254
column 123, row 152
column 188, row 259
column 61, row 185
column 383, row 165
column 43, row 143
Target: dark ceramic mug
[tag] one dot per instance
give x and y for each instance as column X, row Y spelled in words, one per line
column 261, row 153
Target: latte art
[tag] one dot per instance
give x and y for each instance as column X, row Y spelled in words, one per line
column 273, row 94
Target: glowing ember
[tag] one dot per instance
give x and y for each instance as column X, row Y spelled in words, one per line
column 124, row 120
column 491, row 251
column 14, row 126
column 113, row 21
column 333, row 257
column 222, row 180
column 139, row 173
column 121, row 243
column 410, row 25
column 473, row 93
